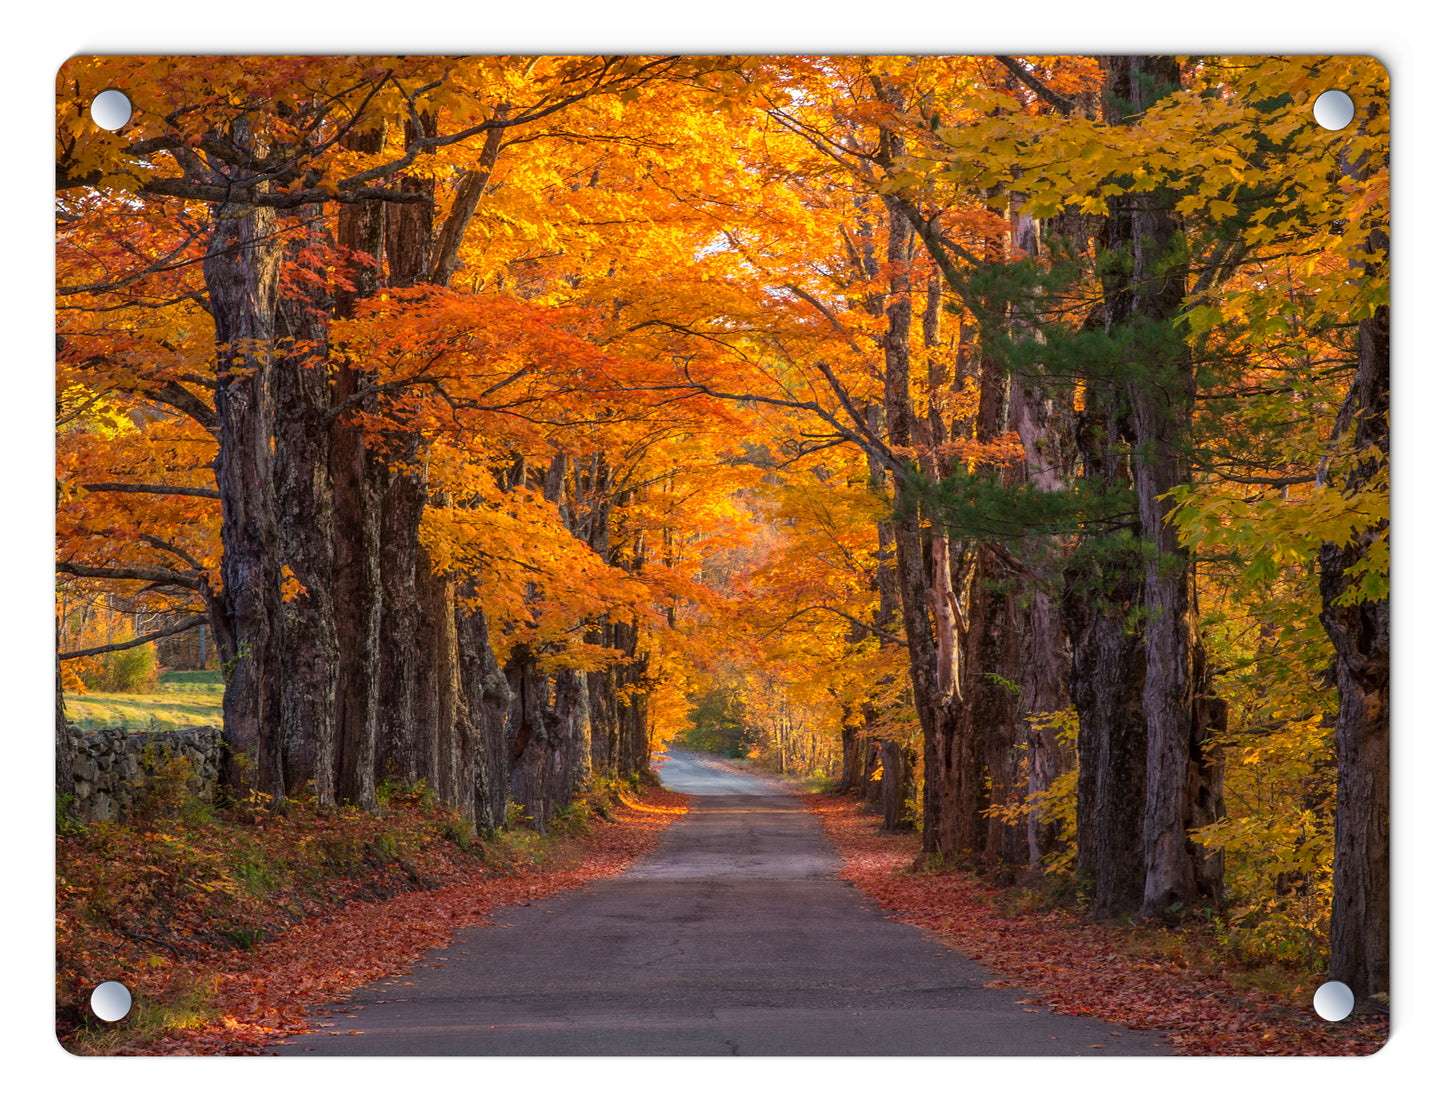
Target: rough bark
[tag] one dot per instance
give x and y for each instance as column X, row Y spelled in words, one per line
column 356, row 483
column 1038, row 412
column 603, row 707
column 412, row 739
column 574, row 710
column 897, row 787
column 242, row 271
column 912, row 583
column 488, row 698
column 437, row 594
column 993, row 654
column 1106, row 683
column 853, row 743
column 406, row 726
column 1161, row 404
column 64, row 754
column 1102, row 590
column 303, row 502
column 1043, row 690
column 1360, row 633
column 532, row 736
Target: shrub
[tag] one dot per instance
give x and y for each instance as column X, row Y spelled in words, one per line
column 134, row 670
column 170, row 786
column 571, row 819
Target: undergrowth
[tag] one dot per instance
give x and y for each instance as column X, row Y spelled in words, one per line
column 183, row 883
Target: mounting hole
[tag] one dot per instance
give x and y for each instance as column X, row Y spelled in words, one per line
column 110, row 1001
column 110, row 110
column 1334, row 110
column 1334, row 1000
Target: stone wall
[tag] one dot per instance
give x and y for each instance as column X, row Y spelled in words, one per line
column 105, row 770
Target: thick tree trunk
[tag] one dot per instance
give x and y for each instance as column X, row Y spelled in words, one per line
column 425, row 733
column 1360, row 633
column 64, row 754
column 912, row 582
column 488, row 698
column 897, row 784
column 850, row 776
column 406, row 727
column 633, row 741
column 1039, row 408
column 872, row 763
column 1161, row 406
column 303, row 503
column 603, row 707
column 1043, row 690
column 532, row 736
column 356, row 482
column 993, row 655
column 242, row 271
column 439, row 620
column 410, row 731
column 1102, row 592
column 574, row 708
column 959, row 792
column 1106, row 683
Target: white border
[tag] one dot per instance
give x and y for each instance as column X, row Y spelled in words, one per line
column 1388, row 30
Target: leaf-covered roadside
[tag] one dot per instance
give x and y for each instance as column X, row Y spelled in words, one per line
column 225, row 949
column 1143, row 977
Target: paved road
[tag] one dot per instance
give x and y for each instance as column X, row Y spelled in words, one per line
column 734, row 937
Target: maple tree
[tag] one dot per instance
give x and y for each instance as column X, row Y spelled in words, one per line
column 1006, row 435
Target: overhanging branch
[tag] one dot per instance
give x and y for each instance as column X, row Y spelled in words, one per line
column 179, row 627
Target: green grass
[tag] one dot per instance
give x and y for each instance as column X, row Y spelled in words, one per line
column 184, row 699
column 204, row 679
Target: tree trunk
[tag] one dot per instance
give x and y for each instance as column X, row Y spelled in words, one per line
column 1102, row 592
column 1106, row 683
column 303, row 502
column 574, row 708
column 993, row 660
column 603, row 707
column 488, row 698
column 406, row 727
column 1161, row 405
column 1039, row 408
column 1043, row 690
column 356, row 482
column 912, row 577
column 64, row 754
column 410, row 731
column 439, row 619
column 897, row 787
column 1360, row 633
column 532, row 728
column 242, row 271
column 850, row 776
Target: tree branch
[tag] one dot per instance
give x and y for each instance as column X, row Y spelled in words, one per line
column 1063, row 104
column 152, row 488
column 145, row 575
column 179, row 627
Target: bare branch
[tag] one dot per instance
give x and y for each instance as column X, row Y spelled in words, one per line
column 178, row 397
column 153, row 488
column 179, row 627
column 1063, row 104
column 143, row 575
column 174, row 550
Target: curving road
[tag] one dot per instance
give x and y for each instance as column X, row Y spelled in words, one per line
column 734, row 937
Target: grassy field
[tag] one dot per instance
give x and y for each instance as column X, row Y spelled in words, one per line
column 183, row 699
